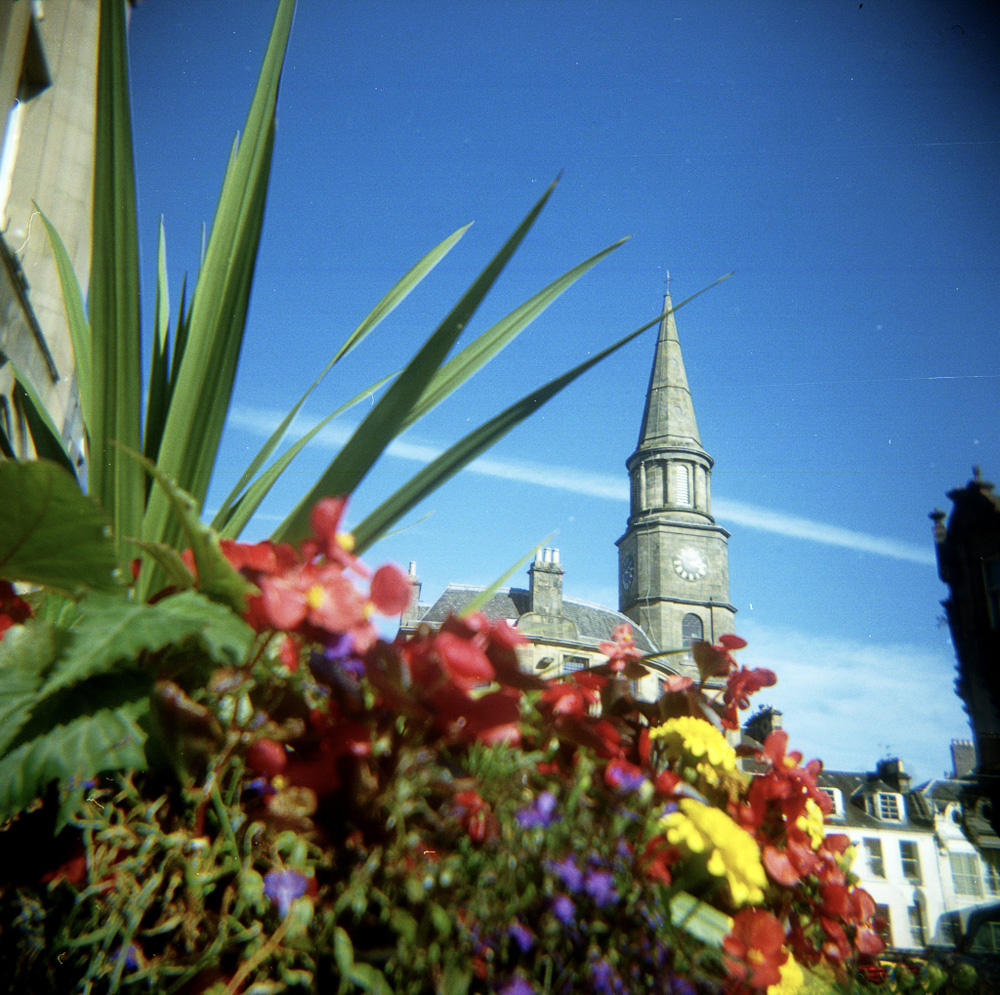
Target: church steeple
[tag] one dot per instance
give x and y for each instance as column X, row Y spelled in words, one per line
column 674, row 561
column 668, row 419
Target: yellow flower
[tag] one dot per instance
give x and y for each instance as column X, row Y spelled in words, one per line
column 812, row 823
column 696, row 748
column 732, row 852
column 791, row 981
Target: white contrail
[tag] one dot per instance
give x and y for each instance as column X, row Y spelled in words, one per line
column 599, row 485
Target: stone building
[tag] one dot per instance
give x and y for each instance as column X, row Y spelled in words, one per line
column 926, row 859
column 968, row 554
column 673, row 558
column 48, row 65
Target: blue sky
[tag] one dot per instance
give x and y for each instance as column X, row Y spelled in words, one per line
column 841, row 158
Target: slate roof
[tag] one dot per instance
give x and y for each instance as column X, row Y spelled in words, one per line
column 594, row 623
column 856, row 787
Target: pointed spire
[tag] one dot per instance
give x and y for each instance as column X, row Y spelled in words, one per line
column 668, row 419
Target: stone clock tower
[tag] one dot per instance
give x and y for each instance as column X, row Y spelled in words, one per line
column 673, row 560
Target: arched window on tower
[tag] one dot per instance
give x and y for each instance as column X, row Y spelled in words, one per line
column 681, row 484
column 692, row 629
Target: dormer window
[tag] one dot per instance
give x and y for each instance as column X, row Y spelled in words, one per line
column 887, row 806
column 838, row 802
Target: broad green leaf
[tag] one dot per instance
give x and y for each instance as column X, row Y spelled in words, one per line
column 110, row 739
column 475, row 443
column 113, row 300
column 76, row 318
column 207, row 370
column 383, row 423
column 480, row 351
column 397, row 293
column 45, row 437
column 50, row 532
column 169, row 561
column 112, row 629
column 217, row 577
column 242, row 509
column 480, row 599
column 702, row 921
column 26, row 652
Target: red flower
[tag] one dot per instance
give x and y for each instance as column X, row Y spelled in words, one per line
column 622, row 653
column 657, row 858
column 754, row 950
column 739, row 686
column 475, row 816
column 714, row 661
column 573, row 697
column 491, row 718
column 327, row 539
column 14, row 610
column 267, row 757
column 312, row 597
column 390, row 590
column 785, row 782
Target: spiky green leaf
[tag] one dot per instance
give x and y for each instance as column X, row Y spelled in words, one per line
column 158, row 392
column 483, row 596
column 76, row 319
column 478, row 441
column 45, row 437
column 217, row 577
column 205, row 376
column 240, row 511
column 482, row 349
column 384, row 422
column 113, row 299
column 397, row 293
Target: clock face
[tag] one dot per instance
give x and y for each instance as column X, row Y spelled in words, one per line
column 690, row 564
column 628, row 572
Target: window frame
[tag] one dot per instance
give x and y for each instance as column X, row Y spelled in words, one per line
column 874, row 856
column 971, row 874
column 909, row 855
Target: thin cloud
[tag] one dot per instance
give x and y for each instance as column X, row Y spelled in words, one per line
column 598, row 485
column 851, row 703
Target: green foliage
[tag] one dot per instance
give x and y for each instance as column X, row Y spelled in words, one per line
column 72, row 695
column 52, row 534
column 190, row 381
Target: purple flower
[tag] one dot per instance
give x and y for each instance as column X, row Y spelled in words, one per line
column 681, row 986
column 541, row 812
column 131, row 956
column 518, row 985
column 283, row 887
column 563, row 909
column 338, row 664
column 606, row 980
column 600, row 886
column 521, row 935
column 567, row 871
column 623, row 776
